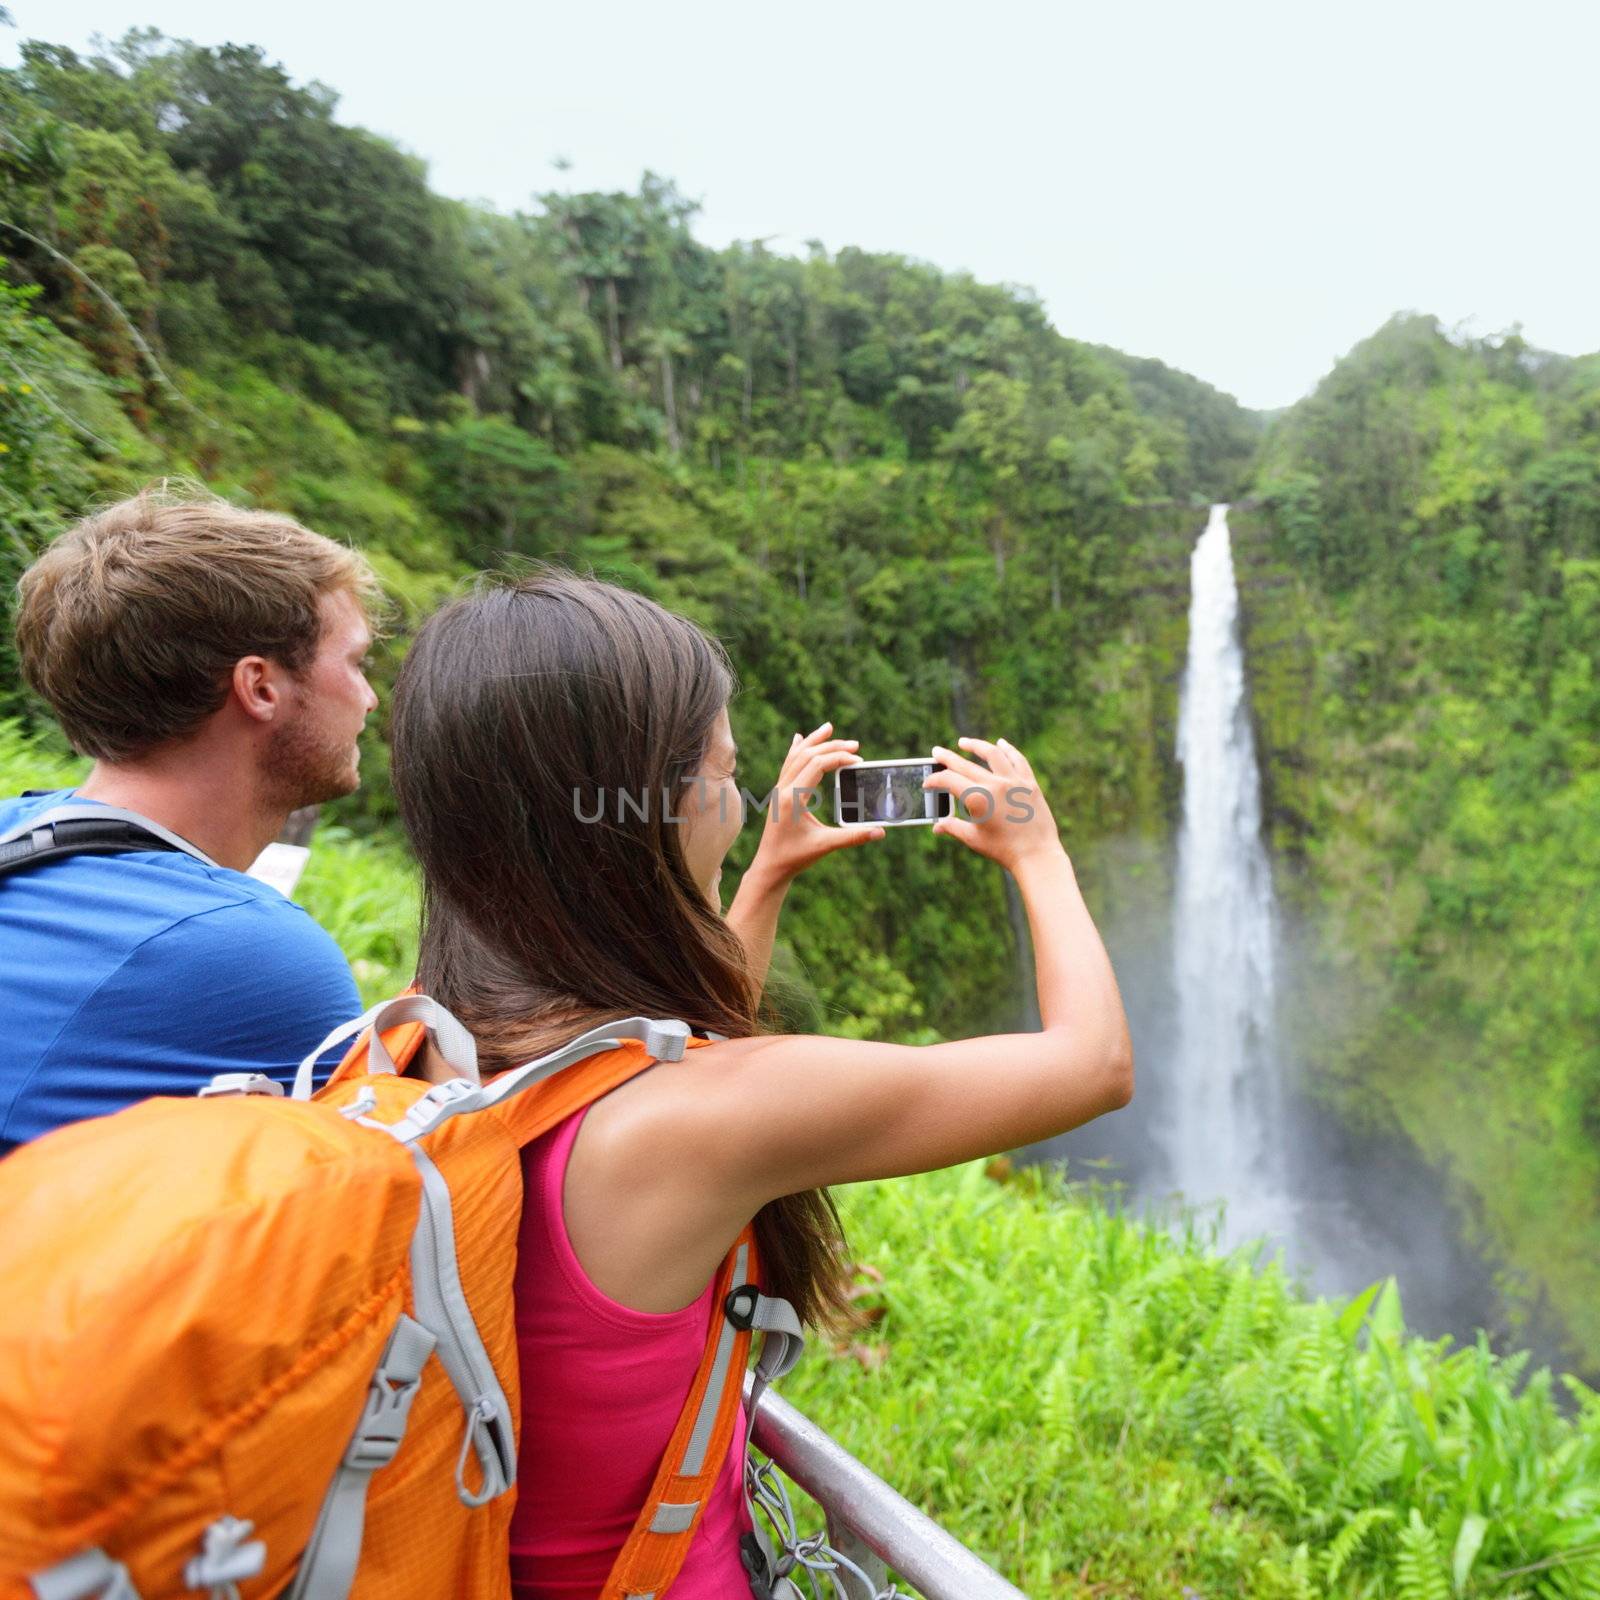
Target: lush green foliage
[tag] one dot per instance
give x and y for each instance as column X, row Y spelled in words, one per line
column 27, row 762
column 1432, row 712
column 1102, row 1408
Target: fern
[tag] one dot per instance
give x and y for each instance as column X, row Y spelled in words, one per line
column 1351, row 1537
column 1202, row 1421
column 1230, row 1337
column 1375, row 1460
column 1274, row 1480
column 1274, row 1582
column 1568, row 1583
column 1058, row 1400
column 1308, row 1360
column 1280, row 1429
column 1419, row 1567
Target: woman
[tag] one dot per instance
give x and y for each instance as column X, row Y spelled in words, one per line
column 565, row 768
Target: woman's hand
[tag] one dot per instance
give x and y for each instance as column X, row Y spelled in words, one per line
column 1007, row 818
column 794, row 838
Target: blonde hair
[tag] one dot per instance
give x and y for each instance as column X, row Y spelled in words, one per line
column 129, row 624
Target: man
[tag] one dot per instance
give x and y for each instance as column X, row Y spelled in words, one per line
column 210, row 660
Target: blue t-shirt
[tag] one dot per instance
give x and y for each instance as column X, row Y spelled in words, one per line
column 147, row 972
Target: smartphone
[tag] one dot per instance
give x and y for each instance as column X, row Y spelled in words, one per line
column 888, row 794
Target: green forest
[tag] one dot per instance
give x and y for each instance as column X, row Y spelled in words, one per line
column 909, row 504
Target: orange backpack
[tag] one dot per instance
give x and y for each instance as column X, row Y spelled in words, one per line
column 254, row 1345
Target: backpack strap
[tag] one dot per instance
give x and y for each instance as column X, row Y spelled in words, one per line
column 526, row 1113
column 328, row 1567
column 402, row 1023
column 783, row 1343
column 706, row 1430
column 76, row 830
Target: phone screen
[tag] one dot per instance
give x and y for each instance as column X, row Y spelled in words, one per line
column 888, row 793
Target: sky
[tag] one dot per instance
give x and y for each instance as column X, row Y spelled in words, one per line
column 1242, row 189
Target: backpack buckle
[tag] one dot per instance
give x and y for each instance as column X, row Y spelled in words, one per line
column 394, row 1386
column 740, row 1306
column 225, row 1560
column 240, row 1083
column 383, row 1426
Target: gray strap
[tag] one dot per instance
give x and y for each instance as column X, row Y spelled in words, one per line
column 89, row 1575
column 91, row 811
column 328, row 1567
column 670, row 1518
column 663, row 1040
column 482, row 1437
column 783, row 1343
column 694, row 1455
column 440, row 1302
column 455, row 1044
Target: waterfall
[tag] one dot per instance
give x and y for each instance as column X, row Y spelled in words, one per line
column 1224, row 1101
column 1231, row 1117
column 1222, row 1111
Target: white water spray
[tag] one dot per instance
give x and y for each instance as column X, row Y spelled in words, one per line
column 1224, row 1101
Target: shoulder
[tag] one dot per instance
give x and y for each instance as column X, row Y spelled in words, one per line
column 727, row 1100
column 731, row 1071
column 248, row 973
column 667, row 1168
column 156, row 904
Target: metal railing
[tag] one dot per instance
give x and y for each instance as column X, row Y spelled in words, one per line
column 869, row 1522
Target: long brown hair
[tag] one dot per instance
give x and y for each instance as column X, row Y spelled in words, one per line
column 522, row 715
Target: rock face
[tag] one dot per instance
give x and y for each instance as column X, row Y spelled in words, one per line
column 1276, row 625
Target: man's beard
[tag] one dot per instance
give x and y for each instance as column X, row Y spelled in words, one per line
column 304, row 767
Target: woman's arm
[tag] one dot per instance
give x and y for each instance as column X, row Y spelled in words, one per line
column 792, row 840
column 821, row 1111
column 754, row 915
column 840, row 1110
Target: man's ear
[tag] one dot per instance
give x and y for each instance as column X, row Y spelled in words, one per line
column 257, row 688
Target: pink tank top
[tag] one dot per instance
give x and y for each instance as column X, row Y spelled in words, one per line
column 602, row 1386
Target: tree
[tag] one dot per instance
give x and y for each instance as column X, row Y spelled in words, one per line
column 502, row 490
